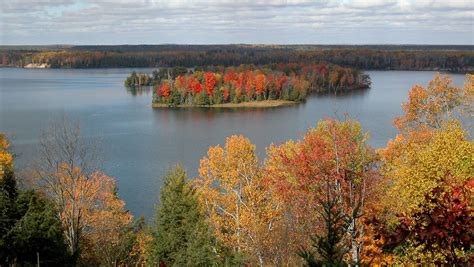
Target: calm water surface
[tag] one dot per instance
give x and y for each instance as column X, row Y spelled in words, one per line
column 139, row 144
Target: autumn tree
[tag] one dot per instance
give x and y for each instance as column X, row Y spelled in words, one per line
column 181, row 236
column 336, row 151
column 442, row 228
column 422, row 165
column 427, row 160
column 430, row 107
column 67, row 171
column 28, row 223
column 108, row 234
column 6, row 158
column 238, row 206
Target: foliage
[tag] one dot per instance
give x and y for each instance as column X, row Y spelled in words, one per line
column 420, row 166
column 329, row 246
column 85, row 198
column 443, row 225
column 109, row 234
column 181, row 236
column 6, row 159
column 28, row 223
column 430, row 107
column 38, row 230
column 239, row 210
column 336, row 151
column 430, row 165
column 138, row 80
column 216, row 85
column 372, row 57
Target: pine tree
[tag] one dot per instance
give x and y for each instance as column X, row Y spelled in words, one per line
column 329, row 247
column 28, row 225
column 37, row 231
column 8, row 212
column 181, row 236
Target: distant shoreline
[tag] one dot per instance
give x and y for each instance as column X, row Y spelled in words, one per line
column 252, row 104
column 37, row 66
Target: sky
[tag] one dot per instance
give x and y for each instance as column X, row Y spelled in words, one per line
column 40, row 22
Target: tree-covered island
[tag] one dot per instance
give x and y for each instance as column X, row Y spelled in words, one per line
column 247, row 85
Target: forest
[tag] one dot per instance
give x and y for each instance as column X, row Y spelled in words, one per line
column 324, row 199
column 368, row 57
column 246, row 83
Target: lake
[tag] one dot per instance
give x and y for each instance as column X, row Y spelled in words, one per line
column 138, row 144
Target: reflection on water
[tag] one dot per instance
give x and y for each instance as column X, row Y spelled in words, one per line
column 140, row 90
column 345, row 94
column 140, row 143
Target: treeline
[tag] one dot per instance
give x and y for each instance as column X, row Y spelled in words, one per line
column 327, row 199
column 454, row 59
column 217, row 85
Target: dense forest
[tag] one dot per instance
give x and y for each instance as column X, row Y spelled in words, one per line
column 217, row 85
column 376, row 57
column 325, row 199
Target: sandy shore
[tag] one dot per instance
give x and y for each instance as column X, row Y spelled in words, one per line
column 253, row 104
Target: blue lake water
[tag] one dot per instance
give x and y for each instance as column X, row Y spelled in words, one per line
column 138, row 144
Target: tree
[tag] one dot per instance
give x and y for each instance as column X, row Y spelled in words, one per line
column 329, row 246
column 428, row 161
column 37, row 231
column 109, row 233
column 298, row 172
column 66, row 172
column 210, row 83
column 430, row 107
column 6, row 158
column 239, row 209
column 84, row 197
column 181, row 236
column 28, row 222
column 443, row 223
column 419, row 167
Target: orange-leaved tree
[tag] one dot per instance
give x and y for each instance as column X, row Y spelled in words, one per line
column 430, row 107
column 67, row 171
column 335, row 153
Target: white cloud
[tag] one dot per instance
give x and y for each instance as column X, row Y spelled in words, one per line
column 230, row 21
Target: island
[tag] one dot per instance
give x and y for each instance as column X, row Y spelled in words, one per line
column 247, row 85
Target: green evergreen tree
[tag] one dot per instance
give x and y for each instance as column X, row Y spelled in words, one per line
column 8, row 213
column 37, row 231
column 329, row 249
column 28, row 225
column 181, row 236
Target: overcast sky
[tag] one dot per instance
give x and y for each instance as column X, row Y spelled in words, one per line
column 37, row 22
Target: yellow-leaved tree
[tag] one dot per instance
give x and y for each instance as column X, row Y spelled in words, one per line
column 423, row 165
column 238, row 206
column 431, row 158
column 431, row 144
column 6, row 158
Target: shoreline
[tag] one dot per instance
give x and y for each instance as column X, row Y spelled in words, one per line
column 252, row 104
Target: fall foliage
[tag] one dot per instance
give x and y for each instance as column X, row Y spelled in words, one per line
column 327, row 198
column 333, row 157
column 215, row 85
column 6, row 157
column 232, row 192
column 367, row 57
